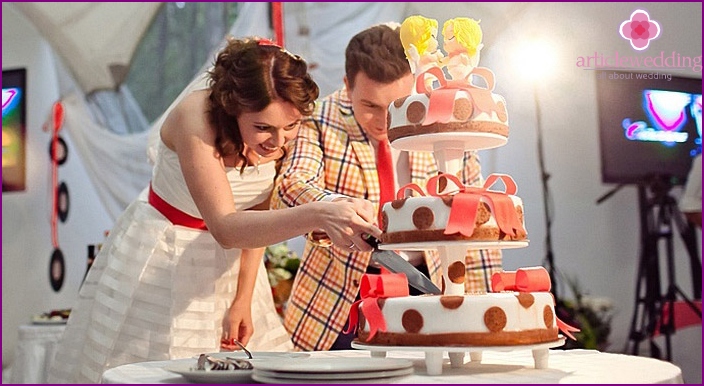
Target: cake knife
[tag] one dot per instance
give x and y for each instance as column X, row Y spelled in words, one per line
column 396, row 263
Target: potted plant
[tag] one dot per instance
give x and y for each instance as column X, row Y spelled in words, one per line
column 282, row 265
column 591, row 314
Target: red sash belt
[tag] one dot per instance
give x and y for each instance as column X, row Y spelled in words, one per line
column 175, row 215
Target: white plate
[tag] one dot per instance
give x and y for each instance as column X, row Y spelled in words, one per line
column 188, row 371
column 334, row 376
column 49, row 322
column 423, row 246
column 342, row 378
column 258, row 355
column 334, row 365
column 537, row 346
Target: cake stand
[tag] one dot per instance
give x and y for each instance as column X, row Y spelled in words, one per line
column 434, row 358
column 449, row 148
column 453, row 252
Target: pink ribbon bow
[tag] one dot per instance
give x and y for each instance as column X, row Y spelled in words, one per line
column 375, row 287
column 531, row 279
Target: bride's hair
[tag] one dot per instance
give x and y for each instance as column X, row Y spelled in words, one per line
column 247, row 76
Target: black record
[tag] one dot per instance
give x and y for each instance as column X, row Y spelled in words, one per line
column 57, row 270
column 62, row 151
column 62, row 202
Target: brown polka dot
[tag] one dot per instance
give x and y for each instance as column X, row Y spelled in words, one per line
column 548, row 316
column 462, row 109
column 388, row 119
column 398, row 204
column 412, row 321
column 442, row 183
column 495, row 319
column 380, row 302
column 501, row 111
column 451, row 302
column 415, row 112
column 384, row 222
column 442, row 283
column 525, row 299
column 455, row 272
column 362, row 321
column 399, row 102
column 423, row 217
column 483, row 213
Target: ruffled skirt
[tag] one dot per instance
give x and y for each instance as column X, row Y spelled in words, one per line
column 156, row 292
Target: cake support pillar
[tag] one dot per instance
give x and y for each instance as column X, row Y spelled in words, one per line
column 433, row 362
column 456, row 358
column 449, row 155
column 452, row 257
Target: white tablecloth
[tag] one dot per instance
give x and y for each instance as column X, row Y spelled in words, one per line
column 564, row 366
column 36, row 348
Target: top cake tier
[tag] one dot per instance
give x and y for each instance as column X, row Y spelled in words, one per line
column 452, row 105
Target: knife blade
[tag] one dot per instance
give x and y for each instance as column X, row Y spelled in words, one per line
column 395, row 263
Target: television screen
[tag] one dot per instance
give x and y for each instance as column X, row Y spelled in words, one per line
column 650, row 126
column 13, row 129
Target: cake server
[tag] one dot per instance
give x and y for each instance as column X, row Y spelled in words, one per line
column 396, row 263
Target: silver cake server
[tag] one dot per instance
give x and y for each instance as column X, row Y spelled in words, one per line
column 395, row 263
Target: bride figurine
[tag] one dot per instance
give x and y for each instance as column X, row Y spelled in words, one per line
column 419, row 39
column 462, row 41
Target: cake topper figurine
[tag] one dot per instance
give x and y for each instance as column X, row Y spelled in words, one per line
column 419, row 39
column 462, row 41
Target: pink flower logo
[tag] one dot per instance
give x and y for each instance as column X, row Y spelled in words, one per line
column 640, row 30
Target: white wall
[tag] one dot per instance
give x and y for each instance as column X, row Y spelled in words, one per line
column 26, row 230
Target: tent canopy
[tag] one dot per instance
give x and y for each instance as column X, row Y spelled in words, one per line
column 96, row 40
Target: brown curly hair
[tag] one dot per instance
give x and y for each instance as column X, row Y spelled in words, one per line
column 247, row 76
column 378, row 53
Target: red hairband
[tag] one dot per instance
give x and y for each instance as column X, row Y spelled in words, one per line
column 267, row 42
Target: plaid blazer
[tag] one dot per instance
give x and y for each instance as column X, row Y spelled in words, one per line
column 332, row 155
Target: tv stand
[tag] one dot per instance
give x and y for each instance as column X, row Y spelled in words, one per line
column 658, row 213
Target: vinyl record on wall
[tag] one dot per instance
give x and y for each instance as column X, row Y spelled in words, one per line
column 61, row 151
column 57, row 270
column 62, row 203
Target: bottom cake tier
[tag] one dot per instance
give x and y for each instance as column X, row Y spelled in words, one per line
column 487, row 319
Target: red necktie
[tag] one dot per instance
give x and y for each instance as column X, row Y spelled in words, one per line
column 385, row 170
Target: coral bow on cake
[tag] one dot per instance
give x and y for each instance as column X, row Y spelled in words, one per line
column 532, row 279
column 375, row 287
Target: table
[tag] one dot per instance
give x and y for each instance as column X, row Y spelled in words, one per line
column 36, row 348
column 564, row 366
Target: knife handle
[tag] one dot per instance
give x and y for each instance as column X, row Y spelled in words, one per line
column 371, row 240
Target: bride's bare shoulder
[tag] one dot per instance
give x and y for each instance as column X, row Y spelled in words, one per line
column 188, row 116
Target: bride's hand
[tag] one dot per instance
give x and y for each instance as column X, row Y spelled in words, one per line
column 346, row 220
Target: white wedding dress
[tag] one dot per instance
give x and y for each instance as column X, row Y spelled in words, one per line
column 158, row 291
